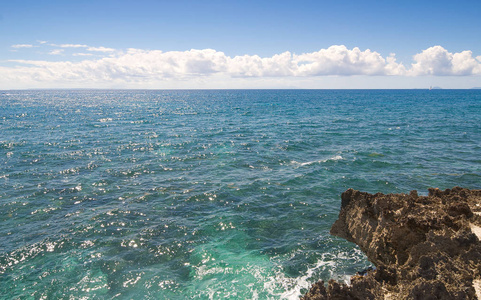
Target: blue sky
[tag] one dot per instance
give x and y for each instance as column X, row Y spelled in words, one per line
column 41, row 31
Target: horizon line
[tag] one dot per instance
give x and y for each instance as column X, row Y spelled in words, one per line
column 217, row 89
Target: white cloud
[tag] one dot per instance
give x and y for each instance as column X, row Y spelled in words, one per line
column 100, row 49
column 41, row 42
column 438, row 61
column 338, row 60
column 22, row 46
column 73, row 46
column 137, row 67
column 255, row 66
column 82, row 54
column 56, row 52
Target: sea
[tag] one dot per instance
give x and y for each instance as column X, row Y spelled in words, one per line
column 210, row 194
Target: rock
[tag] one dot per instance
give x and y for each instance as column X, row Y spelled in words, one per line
column 316, row 292
column 423, row 247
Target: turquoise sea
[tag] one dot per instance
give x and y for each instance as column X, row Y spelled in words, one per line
column 209, row 194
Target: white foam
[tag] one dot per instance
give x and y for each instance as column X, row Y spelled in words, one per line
column 302, row 282
column 334, row 158
column 292, row 286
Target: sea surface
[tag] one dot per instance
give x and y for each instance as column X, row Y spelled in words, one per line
column 210, row 194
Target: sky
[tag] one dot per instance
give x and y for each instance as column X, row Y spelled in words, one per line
column 239, row 44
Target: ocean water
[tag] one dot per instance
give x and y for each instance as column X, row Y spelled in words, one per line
column 216, row 194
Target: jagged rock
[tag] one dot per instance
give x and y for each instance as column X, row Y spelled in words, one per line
column 317, row 292
column 424, row 247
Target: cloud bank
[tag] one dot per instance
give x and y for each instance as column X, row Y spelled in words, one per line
column 438, row 61
column 141, row 66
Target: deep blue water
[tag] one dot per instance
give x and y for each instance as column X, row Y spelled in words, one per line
column 210, row 194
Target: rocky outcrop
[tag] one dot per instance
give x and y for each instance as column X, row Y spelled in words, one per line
column 423, row 247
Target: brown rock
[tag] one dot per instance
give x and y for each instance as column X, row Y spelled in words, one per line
column 316, row 292
column 423, row 247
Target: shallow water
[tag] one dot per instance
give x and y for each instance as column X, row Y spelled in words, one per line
column 210, row 194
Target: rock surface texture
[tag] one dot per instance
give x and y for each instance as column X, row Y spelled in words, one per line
column 423, row 247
